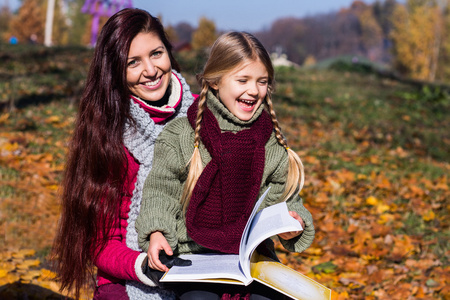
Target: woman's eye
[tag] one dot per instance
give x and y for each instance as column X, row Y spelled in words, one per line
column 157, row 53
column 132, row 63
column 242, row 80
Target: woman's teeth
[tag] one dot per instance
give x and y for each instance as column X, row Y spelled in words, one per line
column 152, row 83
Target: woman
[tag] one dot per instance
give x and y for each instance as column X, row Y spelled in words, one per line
column 132, row 91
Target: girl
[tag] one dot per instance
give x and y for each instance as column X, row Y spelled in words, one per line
column 234, row 150
column 132, row 90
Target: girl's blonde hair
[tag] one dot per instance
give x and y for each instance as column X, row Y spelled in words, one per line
column 229, row 51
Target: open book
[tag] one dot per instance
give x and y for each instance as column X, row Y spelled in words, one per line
column 248, row 265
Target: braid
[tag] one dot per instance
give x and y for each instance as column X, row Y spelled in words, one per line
column 276, row 125
column 195, row 163
column 201, row 107
column 295, row 171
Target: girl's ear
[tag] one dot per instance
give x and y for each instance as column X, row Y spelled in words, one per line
column 214, row 86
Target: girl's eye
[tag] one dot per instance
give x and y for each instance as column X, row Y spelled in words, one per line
column 263, row 82
column 242, row 80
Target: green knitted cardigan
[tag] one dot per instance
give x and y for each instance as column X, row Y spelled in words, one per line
column 160, row 207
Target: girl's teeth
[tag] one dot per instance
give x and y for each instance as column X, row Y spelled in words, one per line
column 247, row 102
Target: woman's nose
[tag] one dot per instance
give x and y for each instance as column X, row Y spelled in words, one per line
column 150, row 69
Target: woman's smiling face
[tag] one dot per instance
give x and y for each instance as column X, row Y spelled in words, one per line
column 148, row 67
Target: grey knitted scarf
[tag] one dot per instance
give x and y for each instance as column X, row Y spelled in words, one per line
column 140, row 142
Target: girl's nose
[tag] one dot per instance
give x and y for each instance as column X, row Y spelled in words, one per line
column 253, row 90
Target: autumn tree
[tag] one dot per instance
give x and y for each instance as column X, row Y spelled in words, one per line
column 205, row 35
column 382, row 12
column 184, row 31
column 169, row 30
column 171, row 33
column 60, row 31
column 286, row 36
column 443, row 71
column 309, row 61
column 346, row 34
column 78, row 27
column 5, row 18
column 417, row 36
column 353, row 30
column 30, row 20
column 370, row 32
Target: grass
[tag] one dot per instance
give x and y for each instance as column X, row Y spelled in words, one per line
column 358, row 134
column 366, row 108
column 36, row 74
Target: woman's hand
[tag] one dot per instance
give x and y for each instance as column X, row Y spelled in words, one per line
column 293, row 234
column 157, row 243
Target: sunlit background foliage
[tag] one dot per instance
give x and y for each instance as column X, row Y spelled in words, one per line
column 365, row 103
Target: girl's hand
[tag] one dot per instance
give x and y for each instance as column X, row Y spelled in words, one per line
column 157, row 243
column 293, row 234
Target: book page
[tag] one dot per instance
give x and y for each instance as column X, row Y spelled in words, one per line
column 244, row 237
column 207, row 266
column 288, row 281
column 268, row 222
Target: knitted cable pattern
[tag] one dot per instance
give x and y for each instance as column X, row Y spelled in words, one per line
column 140, row 142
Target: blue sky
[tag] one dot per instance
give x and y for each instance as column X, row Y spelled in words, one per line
column 250, row 15
column 237, row 14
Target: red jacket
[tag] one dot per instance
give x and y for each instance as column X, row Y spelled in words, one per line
column 117, row 262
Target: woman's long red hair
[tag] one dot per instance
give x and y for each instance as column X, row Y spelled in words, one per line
column 96, row 167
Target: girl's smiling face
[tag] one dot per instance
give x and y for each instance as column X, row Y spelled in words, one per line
column 148, row 67
column 243, row 89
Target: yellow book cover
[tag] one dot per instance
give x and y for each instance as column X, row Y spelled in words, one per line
column 286, row 280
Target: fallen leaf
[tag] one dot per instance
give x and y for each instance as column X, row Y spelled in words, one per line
column 372, row 201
